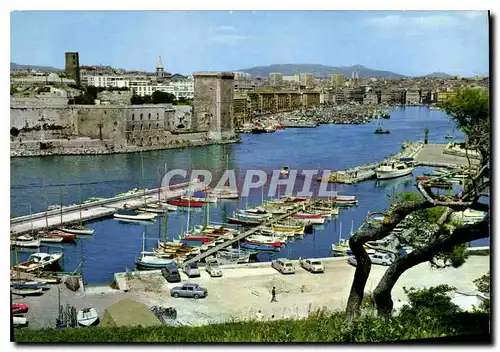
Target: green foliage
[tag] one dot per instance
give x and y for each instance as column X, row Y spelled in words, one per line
column 184, row 101
column 136, row 100
column 320, row 326
column 14, row 132
column 405, row 197
column 469, row 108
column 483, row 283
column 13, row 90
column 159, row 97
column 433, row 302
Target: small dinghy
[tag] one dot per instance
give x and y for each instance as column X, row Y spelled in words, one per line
column 87, row 317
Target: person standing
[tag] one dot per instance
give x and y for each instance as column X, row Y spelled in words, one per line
column 273, row 295
column 259, row 315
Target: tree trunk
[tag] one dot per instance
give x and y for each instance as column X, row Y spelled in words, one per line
column 363, row 266
column 463, row 234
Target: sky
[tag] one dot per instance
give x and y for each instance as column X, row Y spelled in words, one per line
column 407, row 42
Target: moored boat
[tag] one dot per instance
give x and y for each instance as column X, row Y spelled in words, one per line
column 245, row 245
column 66, row 237
column 393, row 170
column 26, row 291
column 133, row 215
column 243, row 222
column 39, row 261
column 186, row 203
column 77, row 230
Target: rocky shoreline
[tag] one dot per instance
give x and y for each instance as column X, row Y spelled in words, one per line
column 16, row 152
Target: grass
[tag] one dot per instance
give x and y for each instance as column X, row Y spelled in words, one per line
column 320, row 326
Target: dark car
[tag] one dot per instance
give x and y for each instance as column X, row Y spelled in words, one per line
column 171, row 274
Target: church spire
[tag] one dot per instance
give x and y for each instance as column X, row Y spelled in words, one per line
column 159, row 64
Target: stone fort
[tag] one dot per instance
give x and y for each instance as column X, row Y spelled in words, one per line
column 49, row 122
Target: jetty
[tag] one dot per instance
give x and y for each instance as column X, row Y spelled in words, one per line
column 433, row 155
column 99, row 209
column 247, row 233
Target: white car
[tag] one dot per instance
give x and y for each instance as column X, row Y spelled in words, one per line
column 284, row 266
column 213, row 269
column 312, row 265
column 385, row 259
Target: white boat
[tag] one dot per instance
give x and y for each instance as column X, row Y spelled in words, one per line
column 168, row 206
column 26, row 291
column 38, row 261
column 224, row 193
column 78, row 230
column 32, row 243
column 133, row 215
column 265, row 239
column 393, row 170
column 244, row 214
column 87, row 317
column 51, row 239
column 155, row 210
column 19, row 321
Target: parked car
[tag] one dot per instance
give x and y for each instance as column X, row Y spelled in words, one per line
column 312, row 265
column 377, row 258
column 213, row 269
column 189, row 290
column 192, row 270
column 284, row 266
column 171, row 273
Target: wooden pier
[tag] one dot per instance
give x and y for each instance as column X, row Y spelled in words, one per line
column 94, row 210
column 247, row 233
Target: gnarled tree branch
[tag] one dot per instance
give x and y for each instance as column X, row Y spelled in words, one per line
column 460, row 235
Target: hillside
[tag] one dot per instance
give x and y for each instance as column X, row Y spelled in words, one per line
column 319, row 70
column 438, row 75
column 14, row 66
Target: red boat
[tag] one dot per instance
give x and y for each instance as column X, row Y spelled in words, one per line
column 296, row 199
column 19, row 308
column 308, row 216
column 423, row 178
column 67, row 237
column 243, row 222
column 186, row 203
column 272, row 244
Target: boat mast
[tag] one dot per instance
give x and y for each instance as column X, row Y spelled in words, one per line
column 31, row 219
column 80, row 203
column 340, row 232
column 60, row 203
column 165, row 226
column 143, row 183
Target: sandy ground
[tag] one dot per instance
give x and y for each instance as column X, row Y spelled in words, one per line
column 241, row 292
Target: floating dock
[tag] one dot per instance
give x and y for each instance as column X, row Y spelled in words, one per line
column 94, row 210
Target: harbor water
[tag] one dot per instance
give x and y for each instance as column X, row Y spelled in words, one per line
column 37, row 182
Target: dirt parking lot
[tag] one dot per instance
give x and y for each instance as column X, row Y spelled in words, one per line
column 242, row 292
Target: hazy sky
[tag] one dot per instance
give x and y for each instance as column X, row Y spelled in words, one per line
column 406, row 42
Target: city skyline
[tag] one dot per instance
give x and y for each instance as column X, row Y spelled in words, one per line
column 411, row 43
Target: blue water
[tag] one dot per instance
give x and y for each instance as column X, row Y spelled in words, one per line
column 39, row 182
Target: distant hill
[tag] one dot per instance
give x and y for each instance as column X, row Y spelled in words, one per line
column 14, row 66
column 319, row 70
column 439, row 75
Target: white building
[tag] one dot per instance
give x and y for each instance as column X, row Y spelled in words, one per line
column 108, row 81
column 184, row 88
column 242, row 76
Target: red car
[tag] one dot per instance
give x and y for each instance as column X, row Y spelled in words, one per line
column 19, row 308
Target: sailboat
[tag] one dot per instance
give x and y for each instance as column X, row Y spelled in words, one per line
column 148, row 261
column 340, row 248
column 77, row 229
